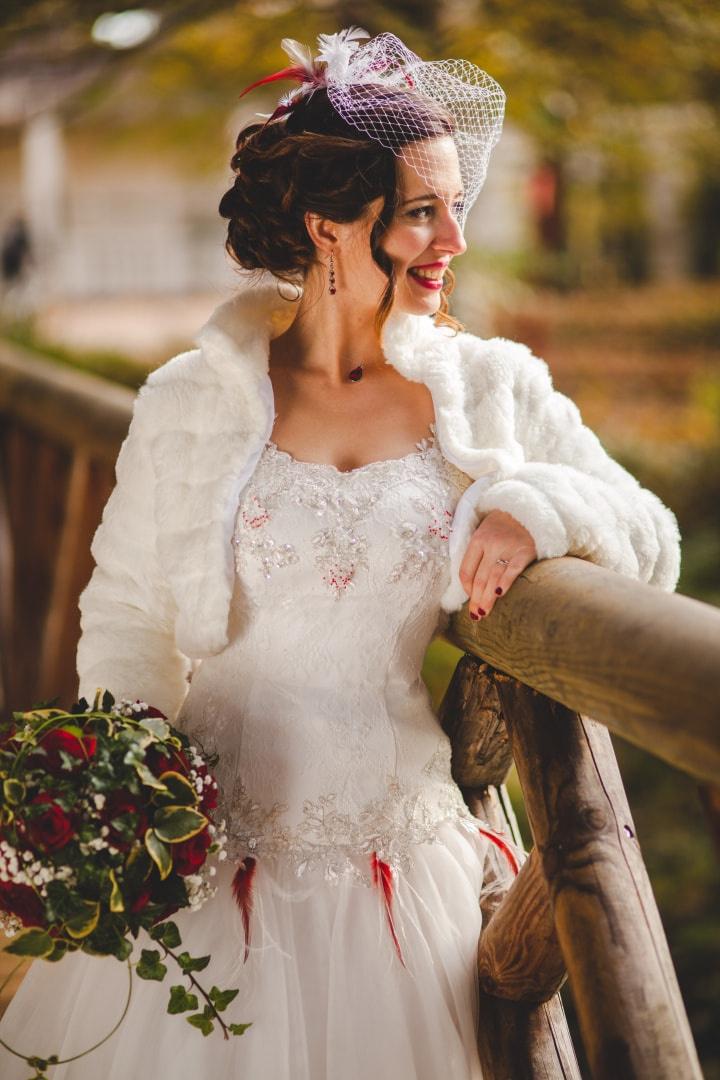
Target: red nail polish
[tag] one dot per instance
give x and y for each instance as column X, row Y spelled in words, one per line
column 499, row 591
column 474, row 616
column 481, row 611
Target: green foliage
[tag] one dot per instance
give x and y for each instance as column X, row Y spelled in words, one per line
column 31, row 942
column 190, row 963
column 181, row 1001
column 109, row 365
column 150, row 966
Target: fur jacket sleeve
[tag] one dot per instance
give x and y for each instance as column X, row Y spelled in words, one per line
column 571, row 496
column 127, row 612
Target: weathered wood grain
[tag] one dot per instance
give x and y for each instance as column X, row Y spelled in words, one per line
column 643, row 662
column 630, row 1009
column 517, row 1040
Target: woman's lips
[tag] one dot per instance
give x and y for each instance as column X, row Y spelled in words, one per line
column 435, row 285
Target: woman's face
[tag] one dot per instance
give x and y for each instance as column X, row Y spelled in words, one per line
column 422, row 238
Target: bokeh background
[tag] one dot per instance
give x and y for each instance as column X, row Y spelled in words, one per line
column 596, row 240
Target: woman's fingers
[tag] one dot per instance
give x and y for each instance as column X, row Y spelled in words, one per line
column 498, row 552
column 491, row 576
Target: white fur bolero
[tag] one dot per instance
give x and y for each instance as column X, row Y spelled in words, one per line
column 159, row 595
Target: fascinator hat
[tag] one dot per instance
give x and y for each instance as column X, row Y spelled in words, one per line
column 365, row 78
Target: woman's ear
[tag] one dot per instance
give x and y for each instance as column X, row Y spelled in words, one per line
column 322, row 231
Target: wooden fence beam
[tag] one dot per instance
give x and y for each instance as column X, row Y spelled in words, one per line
column 644, row 662
column 67, row 406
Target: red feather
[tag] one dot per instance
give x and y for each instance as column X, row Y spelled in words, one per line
column 382, row 877
column 286, row 73
column 503, row 847
column 242, row 891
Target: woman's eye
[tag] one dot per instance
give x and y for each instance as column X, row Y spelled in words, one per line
column 419, row 212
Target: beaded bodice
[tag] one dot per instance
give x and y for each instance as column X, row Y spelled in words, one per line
column 328, row 744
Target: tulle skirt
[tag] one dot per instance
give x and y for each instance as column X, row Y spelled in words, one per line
column 339, row 980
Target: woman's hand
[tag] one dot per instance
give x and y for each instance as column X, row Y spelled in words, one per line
column 483, row 576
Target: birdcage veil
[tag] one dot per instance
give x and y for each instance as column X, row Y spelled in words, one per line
column 364, row 79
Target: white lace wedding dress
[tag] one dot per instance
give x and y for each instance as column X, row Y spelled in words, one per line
column 363, row 870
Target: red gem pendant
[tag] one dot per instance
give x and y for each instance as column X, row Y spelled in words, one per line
column 355, row 374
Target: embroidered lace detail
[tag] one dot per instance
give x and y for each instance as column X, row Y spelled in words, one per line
column 342, row 500
column 337, row 842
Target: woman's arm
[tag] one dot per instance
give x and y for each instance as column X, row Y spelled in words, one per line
column 570, row 495
column 126, row 610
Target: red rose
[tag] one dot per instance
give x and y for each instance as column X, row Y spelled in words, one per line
column 80, row 747
column 141, row 901
column 173, row 761
column 22, row 901
column 189, row 855
column 117, row 805
column 50, row 830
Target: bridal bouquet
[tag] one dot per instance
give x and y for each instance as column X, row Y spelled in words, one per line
column 106, row 826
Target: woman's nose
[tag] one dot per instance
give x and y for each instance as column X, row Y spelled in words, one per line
column 451, row 235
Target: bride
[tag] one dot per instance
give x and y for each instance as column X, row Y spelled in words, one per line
column 301, row 501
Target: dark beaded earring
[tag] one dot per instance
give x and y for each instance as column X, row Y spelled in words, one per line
column 333, row 289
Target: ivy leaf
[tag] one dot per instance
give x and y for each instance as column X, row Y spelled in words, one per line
column 190, row 963
column 156, row 726
column 31, row 942
column 167, row 933
column 13, row 790
column 158, row 852
column 116, row 898
column 222, row 998
column 85, row 920
column 148, row 778
column 149, row 965
column 176, row 823
column 180, row 1000
column 179, row 788
column 238, row 1029
column 199, row 1020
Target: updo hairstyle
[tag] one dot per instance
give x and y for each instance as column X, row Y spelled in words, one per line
column 315, row 161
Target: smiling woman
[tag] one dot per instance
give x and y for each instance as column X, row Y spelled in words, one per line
column 316, row 163
column 300, row 502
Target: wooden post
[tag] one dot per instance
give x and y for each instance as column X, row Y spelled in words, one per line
column 517, row 1040
column 518, row 954
column 630, row 1010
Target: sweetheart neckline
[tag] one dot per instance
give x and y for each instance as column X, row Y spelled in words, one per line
column 423, row 446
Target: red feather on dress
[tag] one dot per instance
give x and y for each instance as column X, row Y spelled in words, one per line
column 382, row 877
column 242, row 891
column 509, row 855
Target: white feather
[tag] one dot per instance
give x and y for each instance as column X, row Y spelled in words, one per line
column 337, row 49
column 299, row 53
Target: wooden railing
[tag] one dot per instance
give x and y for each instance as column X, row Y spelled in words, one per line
column 569, row 641
column 571, row 638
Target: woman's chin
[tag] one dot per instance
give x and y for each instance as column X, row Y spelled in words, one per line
column 413, row 302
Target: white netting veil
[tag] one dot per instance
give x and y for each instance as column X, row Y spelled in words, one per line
column 456, row 90
column 384, row 90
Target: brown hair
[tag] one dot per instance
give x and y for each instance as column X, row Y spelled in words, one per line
column 315, row 161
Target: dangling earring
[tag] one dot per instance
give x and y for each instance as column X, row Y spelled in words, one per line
column 333, row 289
